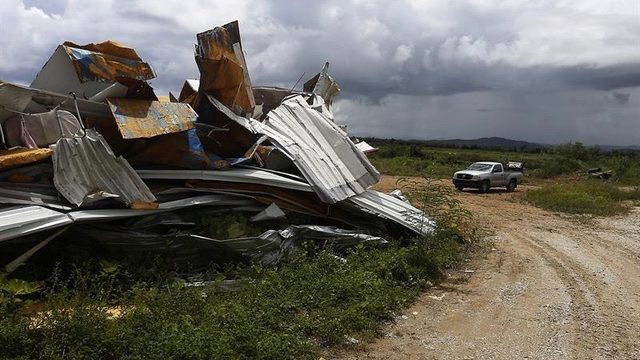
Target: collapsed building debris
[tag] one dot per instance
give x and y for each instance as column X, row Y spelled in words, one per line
column 89, row 149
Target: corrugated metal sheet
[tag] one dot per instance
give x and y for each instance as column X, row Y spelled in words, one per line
column 24, row 220
column 32, row 194
column 394, row 209
column 249, row 176
column 24, row 99
column 19, row 221
column 327, row 158
column 146, row 118
column 86, row 168
column 112, row 214
column 106, row 61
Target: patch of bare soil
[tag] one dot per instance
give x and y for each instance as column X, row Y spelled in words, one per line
column 547, row 287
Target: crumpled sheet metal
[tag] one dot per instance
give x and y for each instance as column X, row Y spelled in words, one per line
column 271, row 246
column 24, row 99
column 146, row 118
column 298, row 201
column 40, row 130
column 270, row 97
column 323, row 85
column 32, row 194
column 223, row 69
column 327, row 158
column 394, row 209
column 20, row 221
column 86, row 169
column 189, row 90
column 234, row 175
column 105, row 62
column 365, row 147
column 198, row 251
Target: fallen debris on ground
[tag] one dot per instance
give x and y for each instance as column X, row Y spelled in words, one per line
column 90, row 148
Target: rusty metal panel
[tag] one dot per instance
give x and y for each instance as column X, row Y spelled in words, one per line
column 223, row 69
column 107, row 61
column 20, row 156
column 145, row 118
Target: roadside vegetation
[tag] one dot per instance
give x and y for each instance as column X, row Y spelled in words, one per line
column 103, row 308
column 590, row 197
column 570, row 160
column 95, row 306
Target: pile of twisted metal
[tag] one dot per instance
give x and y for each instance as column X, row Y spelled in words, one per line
column 88, row 149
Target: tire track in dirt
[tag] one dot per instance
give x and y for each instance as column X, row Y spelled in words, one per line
column 587, row 337
column 551, row 287
column 606, row 327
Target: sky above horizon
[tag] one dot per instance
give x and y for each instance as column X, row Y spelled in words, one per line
column 536, row 70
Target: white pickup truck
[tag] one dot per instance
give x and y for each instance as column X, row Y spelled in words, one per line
column 485, row 175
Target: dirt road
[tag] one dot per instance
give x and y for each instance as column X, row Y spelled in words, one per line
column 547, row 287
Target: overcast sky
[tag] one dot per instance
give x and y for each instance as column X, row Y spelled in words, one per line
column 544, row 71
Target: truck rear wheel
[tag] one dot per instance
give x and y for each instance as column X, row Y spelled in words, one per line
column 484, row 186
column 512, row 185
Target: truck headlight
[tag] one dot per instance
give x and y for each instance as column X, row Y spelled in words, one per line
column 475, row 177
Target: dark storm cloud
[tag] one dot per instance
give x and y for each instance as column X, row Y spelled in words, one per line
column 453, row 69
column 605, row 78
column 621, row 99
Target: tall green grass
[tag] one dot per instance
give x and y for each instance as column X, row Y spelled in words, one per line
column 586, row 197
column 287, row 312
column 437, row 162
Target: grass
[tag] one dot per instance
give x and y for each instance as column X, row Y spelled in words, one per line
column 317, row 298
column 567, row 160
column 591, row 197
column 287, row 312
column 96, row 307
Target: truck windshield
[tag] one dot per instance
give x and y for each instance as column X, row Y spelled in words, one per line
column 479, row 167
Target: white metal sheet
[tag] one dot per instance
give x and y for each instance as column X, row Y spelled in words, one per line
column 394, row 209
column 250, row 176
column 85, row 169
column 327, row 158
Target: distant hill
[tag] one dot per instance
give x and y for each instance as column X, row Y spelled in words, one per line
column 619, row 148
column 486, row 142
column 493, row 143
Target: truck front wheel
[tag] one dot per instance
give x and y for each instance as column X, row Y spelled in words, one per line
column 484, row 186
column 512, row 185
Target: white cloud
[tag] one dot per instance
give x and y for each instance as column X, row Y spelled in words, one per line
column 377, row 49
column 403, row 53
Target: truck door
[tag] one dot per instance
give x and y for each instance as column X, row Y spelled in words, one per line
column 498, row 176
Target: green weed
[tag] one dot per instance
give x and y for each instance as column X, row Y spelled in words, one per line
column 592, row 197
column 280, row 313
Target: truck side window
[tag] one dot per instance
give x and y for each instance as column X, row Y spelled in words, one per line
column 497, row 168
